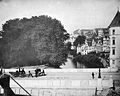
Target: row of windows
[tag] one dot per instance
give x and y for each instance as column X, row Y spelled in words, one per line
column 113, row 42
column 113, row 38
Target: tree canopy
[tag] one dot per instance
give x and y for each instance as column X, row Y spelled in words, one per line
column 34, row 41
column 79, row 40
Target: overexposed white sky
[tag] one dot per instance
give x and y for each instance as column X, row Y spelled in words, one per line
column 73, row 14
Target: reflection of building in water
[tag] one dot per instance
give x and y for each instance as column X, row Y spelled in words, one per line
column 114, row 28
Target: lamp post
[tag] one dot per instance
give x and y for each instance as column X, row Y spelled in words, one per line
column 99, row 75
column 99, row 86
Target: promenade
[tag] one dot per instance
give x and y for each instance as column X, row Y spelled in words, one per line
column 64, row 82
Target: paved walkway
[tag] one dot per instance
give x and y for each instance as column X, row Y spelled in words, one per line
column 76, row 75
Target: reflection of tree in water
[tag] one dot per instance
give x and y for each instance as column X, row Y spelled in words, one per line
column 90, row 60
column 69, row 63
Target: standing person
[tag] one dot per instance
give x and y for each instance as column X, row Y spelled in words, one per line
column 43, row 72
column 36, row 72
column 19, row 69
column 93, row 75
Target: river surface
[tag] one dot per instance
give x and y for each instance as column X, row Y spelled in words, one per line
column 68, row 64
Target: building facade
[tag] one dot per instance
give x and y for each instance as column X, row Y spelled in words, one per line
column 114, row 29
column 97, row 40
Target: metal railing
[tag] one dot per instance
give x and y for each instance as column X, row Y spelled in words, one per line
column 20, row 86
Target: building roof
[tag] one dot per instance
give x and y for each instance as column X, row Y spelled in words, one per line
column 84, row 30
column 116, row 21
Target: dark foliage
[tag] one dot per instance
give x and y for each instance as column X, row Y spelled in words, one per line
column 34, row 41
column 90, row 60
column 79, row 40
column 68, row 46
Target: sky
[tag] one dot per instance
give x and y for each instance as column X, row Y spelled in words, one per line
column 73, row 14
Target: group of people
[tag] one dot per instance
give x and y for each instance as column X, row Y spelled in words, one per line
column 21, row 73
column 39, row 72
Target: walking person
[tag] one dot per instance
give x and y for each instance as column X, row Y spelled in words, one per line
column 93, row 75
column 30, row 74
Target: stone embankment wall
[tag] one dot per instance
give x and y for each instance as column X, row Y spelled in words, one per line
column 56, row 91
column 58, row 87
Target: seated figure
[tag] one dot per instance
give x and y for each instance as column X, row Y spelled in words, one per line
column 43, row 73
column 23, row 73
column 17, row 74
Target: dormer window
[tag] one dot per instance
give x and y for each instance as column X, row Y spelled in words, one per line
column 113, row 32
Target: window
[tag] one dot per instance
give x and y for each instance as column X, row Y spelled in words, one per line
column 113, row 51
column 113, row 40
column 113, row 61
column 113, row 31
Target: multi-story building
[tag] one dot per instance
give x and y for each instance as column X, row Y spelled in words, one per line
column 100, row 31
column 87, row 32
column 114, row 28
column 96, row 40
column 103, row 40
column 103, row 33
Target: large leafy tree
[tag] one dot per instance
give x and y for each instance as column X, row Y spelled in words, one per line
column 34, row 41
column 79, row 40
column 68, row 46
